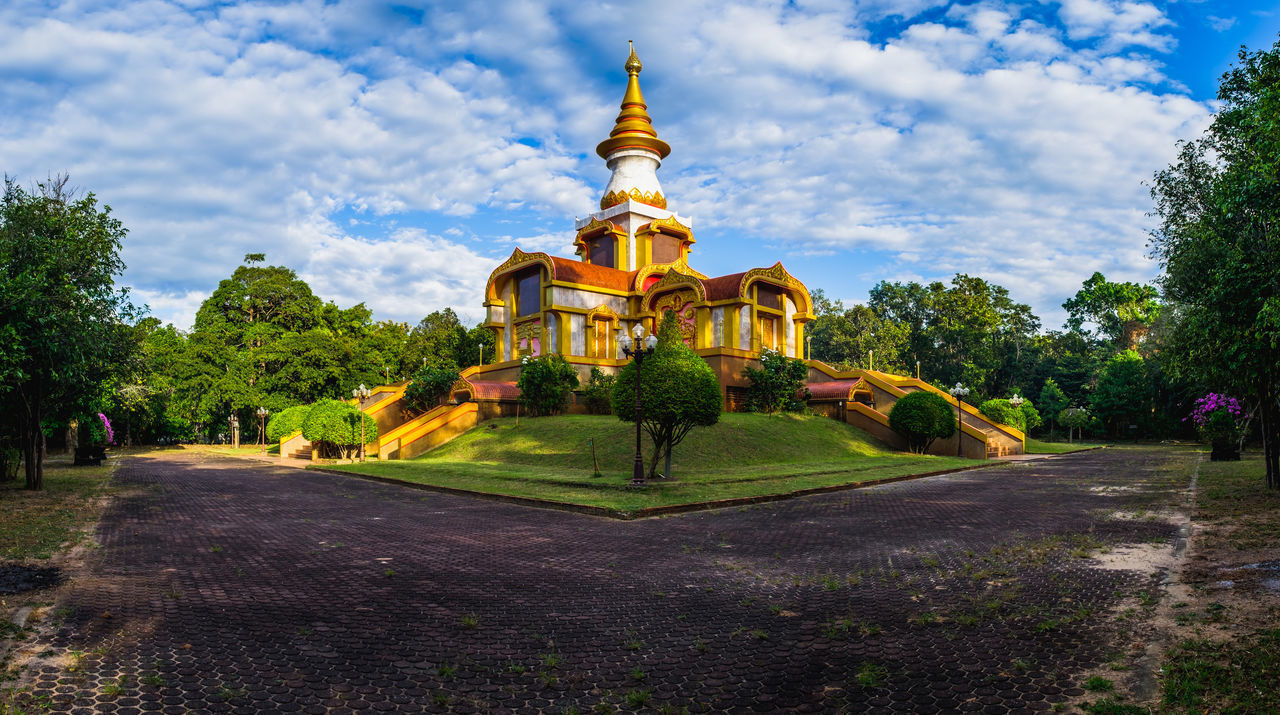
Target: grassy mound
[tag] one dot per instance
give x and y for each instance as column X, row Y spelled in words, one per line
column 738, row 440
column 745, row 455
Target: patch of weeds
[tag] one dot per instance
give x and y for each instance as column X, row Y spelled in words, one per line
column 152, row 680
column 747, row 601
column 113, row 688
column 516, row 668
column 700, row 645
column 871, row 675
column 638, row 698
column 389, row 573
column 1232, row 676
column 638, row 674
column 215, row 549
column 551, row 660
column 441, row 699
column 470, row 621
column 304, row 631
column 227, row 692
column 1099, row 684
column 446, row 670
column 1148, row 600
column 775, row 608
column 1046, row 625
column 760, row 635
column 930, row 562
column 1110, row 706
column 923, row 618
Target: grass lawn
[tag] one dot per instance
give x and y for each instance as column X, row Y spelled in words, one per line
column 744, row 455
column 1035, row 446
column 36, row 525
column 1230, row 663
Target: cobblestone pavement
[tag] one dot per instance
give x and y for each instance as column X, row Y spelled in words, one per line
column 228, row 586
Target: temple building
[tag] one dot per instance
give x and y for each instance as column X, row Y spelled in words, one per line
column 632, row 265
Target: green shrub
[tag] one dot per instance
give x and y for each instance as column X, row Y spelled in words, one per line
column 286, row 422
column 334, row 425
column 599, row 392
column 1030, row 416
column 922, row 417
column 430, row 386
column 1004, row 413
column 545, row 383
column 775, row 385
column 678, row 391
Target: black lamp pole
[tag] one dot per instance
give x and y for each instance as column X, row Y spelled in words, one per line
column 639, row 353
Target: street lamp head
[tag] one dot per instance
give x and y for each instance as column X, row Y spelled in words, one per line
column 1016, row 401
column 625, row 341
column 638, row 331
column 651, row 341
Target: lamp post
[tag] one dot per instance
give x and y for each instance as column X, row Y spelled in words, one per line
column 262, row 426
column 235, row 431
column 639, row 353
column 959, row 392
column 1016, row 402
column 361, row 394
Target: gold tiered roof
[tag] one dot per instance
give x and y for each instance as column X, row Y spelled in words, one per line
column 633, row 128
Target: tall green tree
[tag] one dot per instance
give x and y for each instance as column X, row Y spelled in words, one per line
column 1122, row 396
column 1219, row 241
column 1121, row 312
column 855, row 337
column 437, row 341
column 64, row 325
column 678, row 391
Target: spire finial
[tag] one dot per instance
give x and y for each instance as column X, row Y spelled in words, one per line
column 633, row 65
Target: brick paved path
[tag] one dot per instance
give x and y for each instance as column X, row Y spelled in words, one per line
column 228, row 586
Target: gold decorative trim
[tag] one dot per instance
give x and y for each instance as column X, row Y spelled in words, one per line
column 671, row 279
column 777, row 274
column 681, row 265
column 518, row 258
column 592, row 229
column 649, row 198
column 671, row 225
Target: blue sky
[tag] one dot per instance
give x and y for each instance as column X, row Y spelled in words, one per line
column 394, row 153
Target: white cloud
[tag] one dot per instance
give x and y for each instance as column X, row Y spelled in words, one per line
column 983, row 138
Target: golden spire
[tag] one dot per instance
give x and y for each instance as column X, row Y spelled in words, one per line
column 633, row 128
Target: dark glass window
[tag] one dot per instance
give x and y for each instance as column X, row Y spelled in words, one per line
column 528, row 292
column 665, row 248
column 768, row 296
column 602, row 251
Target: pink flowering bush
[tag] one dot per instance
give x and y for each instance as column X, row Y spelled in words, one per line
column 106, row 424
column 1217, row 417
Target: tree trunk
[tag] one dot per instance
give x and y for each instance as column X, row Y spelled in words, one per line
column 1270, row 438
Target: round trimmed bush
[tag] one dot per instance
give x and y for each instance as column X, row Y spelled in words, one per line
column 336, row 424
column 922, row 417
column 286, row 422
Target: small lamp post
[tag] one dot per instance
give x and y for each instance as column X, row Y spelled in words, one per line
column 1016, row 401
column 959, row 392
column 361, row 394
column 639, row 353
column 262, row 426
column 234, row 421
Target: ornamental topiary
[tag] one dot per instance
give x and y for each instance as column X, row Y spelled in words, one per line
column 545, row 383
column 922, row 417
column 286, row 422
column 334, row 425
column 430, row 385
column 678, row 391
